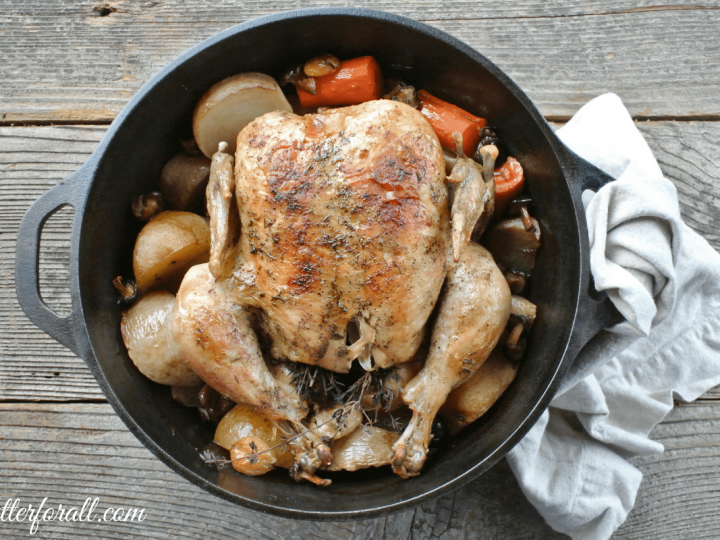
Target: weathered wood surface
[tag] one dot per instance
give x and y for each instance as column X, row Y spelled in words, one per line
column 68, row 452
column 82, row 61
column 32, row 364
column 33, row 159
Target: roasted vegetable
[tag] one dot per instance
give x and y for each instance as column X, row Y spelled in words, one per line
column 183, row 181
column 446, row 119
column 245, row 421
column 147, row 333
column 509, row 180
column 167, row 246
column 232, row 104
column 357, row 81
column 473, row 398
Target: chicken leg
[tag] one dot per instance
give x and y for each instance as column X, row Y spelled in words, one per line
column 473, row 314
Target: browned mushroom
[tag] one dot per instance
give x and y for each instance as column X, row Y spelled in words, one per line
column 404, row 93
column 514, row 248
column 321, row 65
column 183, row 181
column 147, row 206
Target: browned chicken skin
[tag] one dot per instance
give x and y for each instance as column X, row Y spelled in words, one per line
column 473, row 313
column 344, row 218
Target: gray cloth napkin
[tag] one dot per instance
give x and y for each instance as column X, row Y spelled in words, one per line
column 665, row 280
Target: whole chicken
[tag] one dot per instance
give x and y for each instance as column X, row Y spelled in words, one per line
column 332, row 220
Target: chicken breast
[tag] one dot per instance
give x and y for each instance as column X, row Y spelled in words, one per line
column 344, row 217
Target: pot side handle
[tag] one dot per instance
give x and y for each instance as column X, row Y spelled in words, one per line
column 72, row 192
column 596, row 310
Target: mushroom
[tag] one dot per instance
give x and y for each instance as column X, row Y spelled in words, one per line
column 522, row 317
column 183, row 180
column 232, row 104
column 213, row 406
column 147, row 206
column 513, row 247
column 325, row 64
column 405, row 94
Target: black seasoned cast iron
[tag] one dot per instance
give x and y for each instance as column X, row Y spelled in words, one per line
column 145, row 135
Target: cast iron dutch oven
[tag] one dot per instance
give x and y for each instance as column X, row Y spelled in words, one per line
column 145, row 135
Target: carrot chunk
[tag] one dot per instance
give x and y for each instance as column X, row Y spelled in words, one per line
column 446, row 118
column 509, row 181
column 356, row 81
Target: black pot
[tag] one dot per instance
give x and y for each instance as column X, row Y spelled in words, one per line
column 145, row 135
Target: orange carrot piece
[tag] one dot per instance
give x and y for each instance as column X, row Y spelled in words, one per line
column 509, row 181
column 356, row 81
column 446, row 118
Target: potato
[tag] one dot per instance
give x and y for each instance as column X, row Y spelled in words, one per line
column 147, row 332
column 244, row 421
column 367, row 446
column 474, row 397
column 183, row 181
column 167, row 246
column 232, row 104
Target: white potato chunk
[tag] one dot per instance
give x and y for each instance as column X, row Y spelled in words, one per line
column 147, row 332
column 232, row 104
column 474, row 397
column 167, row 246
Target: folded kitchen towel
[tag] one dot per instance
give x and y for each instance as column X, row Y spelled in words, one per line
column 665, row 280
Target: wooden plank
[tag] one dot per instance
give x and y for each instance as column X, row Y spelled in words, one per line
column 32, row 364
column 678, row 495
column 68, row 452
column 689, row 156
column 82, row 61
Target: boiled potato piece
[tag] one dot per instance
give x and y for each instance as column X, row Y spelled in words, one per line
column 167, row 246
column 183, row 181
column 244, row 421
column 147, row 332
column 367, row 446
column 474, row 397
column 232, row 104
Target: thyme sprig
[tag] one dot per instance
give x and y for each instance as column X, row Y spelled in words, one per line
column 211, row 458
column 309, row 382
column 313, row 382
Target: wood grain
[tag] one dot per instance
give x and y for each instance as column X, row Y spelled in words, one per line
column 32, row 364
column 68, row 452
column 33, row 159
column 678, row 497
column 689, row 155
column 82, row 61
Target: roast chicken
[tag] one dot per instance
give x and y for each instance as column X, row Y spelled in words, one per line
column 330, row 221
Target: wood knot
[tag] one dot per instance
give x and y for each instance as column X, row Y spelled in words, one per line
column 103, row 10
